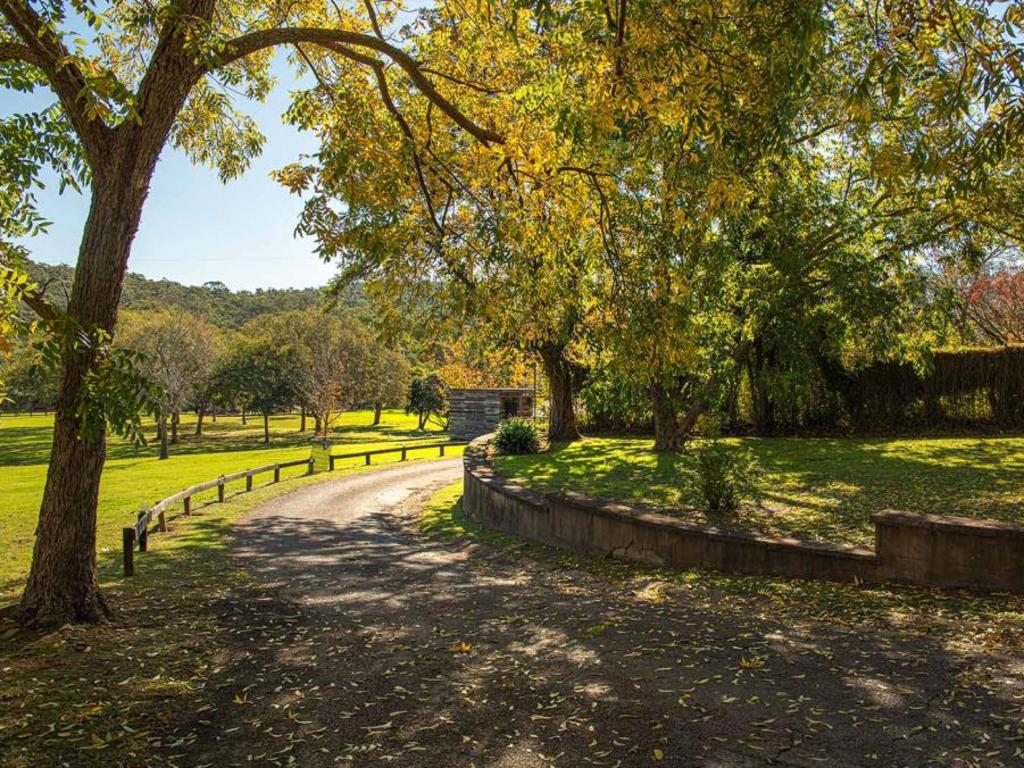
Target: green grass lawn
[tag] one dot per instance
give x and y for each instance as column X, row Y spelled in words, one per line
column 135, row 477
column 813, row 488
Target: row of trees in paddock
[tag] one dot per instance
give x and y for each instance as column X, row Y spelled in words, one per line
column 319, row 362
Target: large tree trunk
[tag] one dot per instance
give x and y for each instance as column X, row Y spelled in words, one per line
column 243, row 415
column 266, row 427
column 62, row 583
column 675, row 416
column 377, row 408
column 175, row 420
column 559, row 372
column 302, row 418
column 200, row 415
column 668, row 435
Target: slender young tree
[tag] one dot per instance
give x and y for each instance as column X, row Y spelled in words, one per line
column 149, row 75
column 177, row 357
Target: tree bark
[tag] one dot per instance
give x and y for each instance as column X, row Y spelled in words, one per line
column 302, row 418
column 243, row 415
column 668, row 435
column 161, row 434
column 559, row 372
column 266, row 428
column 175, row 420
column 200, row 414
column 377, row 408
column 62, row 585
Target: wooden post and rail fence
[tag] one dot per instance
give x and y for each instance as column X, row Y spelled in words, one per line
column 138, row 534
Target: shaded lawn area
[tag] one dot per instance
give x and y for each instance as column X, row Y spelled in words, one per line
column 136, row 477
column 813, row 488
column 142, row 666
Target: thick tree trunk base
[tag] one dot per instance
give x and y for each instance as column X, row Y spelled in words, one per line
column 62, row 586
column 56, row 608
column 670, row 431
column 562, row 417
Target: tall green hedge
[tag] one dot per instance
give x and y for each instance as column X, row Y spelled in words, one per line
column 974, row 387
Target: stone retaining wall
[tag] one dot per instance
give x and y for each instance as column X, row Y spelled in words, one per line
column 917, row 549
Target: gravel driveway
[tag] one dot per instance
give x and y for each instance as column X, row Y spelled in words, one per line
column 363, row 642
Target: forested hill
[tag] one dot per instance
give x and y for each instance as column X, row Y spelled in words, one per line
column 214, row 301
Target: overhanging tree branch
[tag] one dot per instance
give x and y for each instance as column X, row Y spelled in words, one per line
column 253, row 42
column 43, row 49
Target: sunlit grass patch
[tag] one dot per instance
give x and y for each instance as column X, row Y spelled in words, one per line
column 134, row 478
column 814, row 488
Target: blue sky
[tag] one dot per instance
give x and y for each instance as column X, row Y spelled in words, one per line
column 194, row 228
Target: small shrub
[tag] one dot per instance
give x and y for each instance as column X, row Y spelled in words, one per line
column 725, row 476
column 516, row 436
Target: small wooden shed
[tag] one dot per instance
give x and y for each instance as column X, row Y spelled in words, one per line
column 475, row 412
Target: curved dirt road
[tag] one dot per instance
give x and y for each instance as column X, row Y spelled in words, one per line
column 361, row 642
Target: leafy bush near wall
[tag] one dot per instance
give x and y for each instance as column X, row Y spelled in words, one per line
column 725, row 476
column 517, row 436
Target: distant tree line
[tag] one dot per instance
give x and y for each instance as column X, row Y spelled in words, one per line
column 213, row 301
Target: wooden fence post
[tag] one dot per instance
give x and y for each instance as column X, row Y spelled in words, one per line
column 248, row 482
column 403, row 454
column 277, row 473
column 330, row 463
column 367, row 458
column 309, row 468
column 143, row 535
column 220, row 490
column 442, row 450
column 188, row 505
column 162, row 521
column 128, row 550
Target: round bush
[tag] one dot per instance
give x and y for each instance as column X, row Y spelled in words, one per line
column 725, row 476
column 516, row 436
